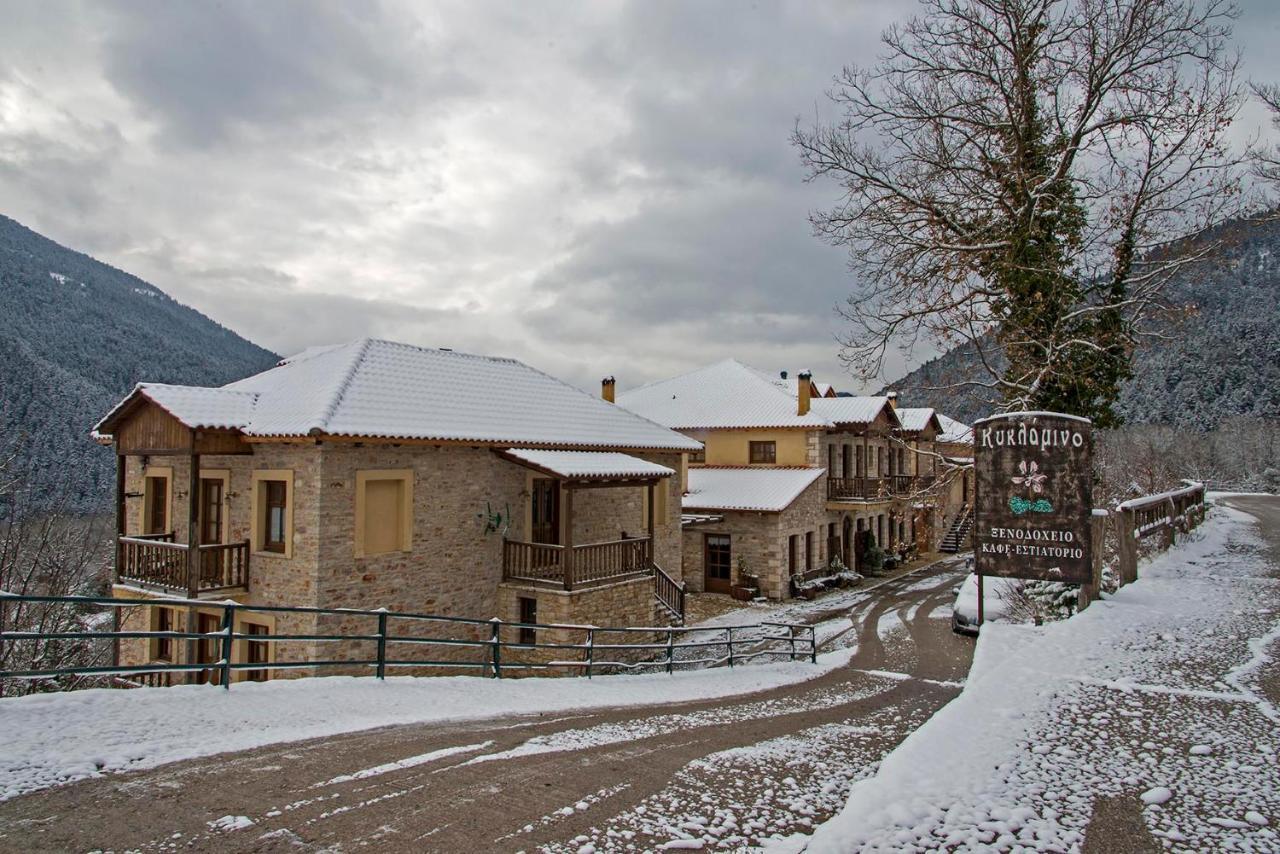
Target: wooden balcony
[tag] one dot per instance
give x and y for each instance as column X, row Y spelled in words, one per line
column 876, row 488
column 576, row 566
column 157, row 561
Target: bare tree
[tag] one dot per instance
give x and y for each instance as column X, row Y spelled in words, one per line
column 1021, row 176
column 1266, row 158
column 47, row 552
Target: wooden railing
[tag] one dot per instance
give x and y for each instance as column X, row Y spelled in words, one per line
column 598, row 562
column 1164, row 515
column 669, row 591
column 578, row 566
column 163, row 563
column 844, row 488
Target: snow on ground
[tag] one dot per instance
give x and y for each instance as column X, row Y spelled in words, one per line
column 728, row 799
column 1155, row 694
column 50, row 739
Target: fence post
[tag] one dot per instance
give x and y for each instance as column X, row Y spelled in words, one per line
column 382, row 644
column 791, row 639
column 671, row 649
column 591, row 649
column 495, row 641
column 1170, row 535
column 813, row 645
column 228, row 623
column 1126, row 546
column 729, row 632
column 1091, row 590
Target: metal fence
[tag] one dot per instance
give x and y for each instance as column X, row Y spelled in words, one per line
column 497, row 645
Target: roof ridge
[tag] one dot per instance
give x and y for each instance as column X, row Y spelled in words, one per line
column 332, row 408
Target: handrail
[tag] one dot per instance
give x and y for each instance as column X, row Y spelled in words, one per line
column 657, row 648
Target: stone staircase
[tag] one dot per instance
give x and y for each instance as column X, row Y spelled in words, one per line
column 957, row 537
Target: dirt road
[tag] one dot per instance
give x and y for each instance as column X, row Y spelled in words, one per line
column 728, row 772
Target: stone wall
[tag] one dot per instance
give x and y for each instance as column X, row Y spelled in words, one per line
column 628, row 603
column 454, row 567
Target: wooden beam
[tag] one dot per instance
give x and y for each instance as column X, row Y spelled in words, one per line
column 193, row 528
column 653, row 510
column 121, row 471
column 566, row 507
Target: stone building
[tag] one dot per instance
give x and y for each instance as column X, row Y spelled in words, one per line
column 795, row 479
column 373, row 475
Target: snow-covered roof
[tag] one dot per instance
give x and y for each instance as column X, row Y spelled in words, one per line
column 375, row 388
column 197, row 407
column 589, row 464
column 727, row 394
column 768, row 489
column 825, row 389
column 915, row 420
column 954, row 431
column 851, row 410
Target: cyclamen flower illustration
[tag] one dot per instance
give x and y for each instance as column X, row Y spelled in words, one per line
column 1032, row 478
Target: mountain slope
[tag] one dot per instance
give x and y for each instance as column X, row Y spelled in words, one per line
column 1222, row 360
column 75, row 335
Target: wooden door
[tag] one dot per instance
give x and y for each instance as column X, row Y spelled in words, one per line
column 717, row 563
column 208, row 650
column 211, row 529
column 546, row 510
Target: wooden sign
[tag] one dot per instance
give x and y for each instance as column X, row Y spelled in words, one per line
column 1034, row 496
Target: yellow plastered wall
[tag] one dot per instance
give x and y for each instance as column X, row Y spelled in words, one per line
column 733, row 447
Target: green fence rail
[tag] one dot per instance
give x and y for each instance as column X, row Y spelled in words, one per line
column 590, row 650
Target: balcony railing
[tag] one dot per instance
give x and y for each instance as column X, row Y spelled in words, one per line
column 876, row 488
column 856, row 488
column 157, row 561
column 578, row 566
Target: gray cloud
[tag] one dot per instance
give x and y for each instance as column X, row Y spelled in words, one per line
column 595, row 188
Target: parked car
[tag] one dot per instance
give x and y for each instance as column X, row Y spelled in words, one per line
column 964, row 614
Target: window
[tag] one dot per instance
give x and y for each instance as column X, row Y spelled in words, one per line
column 808, row 550
column 763, row 452
column 528, row 614
column 272, row 519
column 384, row 512
column 274, row 504
column 256, row 651
column 155, row 500
column 831, row 460
column 162, row 621
column 793, row 557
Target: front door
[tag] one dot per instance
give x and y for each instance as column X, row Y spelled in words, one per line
column 717, row 563
column 208, row 649
column 211, row 523
column 546, row 510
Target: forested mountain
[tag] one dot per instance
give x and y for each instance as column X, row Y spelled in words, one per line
column 1221, row 360
column 75, row 335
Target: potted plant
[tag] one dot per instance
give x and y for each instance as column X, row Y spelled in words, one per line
column 747, row 587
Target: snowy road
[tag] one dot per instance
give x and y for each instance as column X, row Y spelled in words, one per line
column 1148, row 723
column 720, row 774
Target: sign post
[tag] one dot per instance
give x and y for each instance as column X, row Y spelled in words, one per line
column 1033, row 502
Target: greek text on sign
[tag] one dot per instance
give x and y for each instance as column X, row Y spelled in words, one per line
column 1034, row 496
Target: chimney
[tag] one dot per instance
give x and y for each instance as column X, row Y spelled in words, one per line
column 804, row 387
column 893, row 398
column 606, row 389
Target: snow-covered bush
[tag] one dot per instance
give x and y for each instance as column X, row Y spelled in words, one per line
column 1039, row 601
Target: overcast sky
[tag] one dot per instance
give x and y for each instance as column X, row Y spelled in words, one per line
column 593, row 187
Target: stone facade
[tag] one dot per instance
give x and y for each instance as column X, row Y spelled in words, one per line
column 759, row 542
column 454, row 565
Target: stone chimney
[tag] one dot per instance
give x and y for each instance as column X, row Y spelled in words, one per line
column 606, row 388
column 804, row 387
column 893, row 398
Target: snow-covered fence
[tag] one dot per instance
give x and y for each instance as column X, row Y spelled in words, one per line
column 395, row 641
column 1160, row 515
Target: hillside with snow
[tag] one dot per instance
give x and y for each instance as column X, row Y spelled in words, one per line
column 75, row 335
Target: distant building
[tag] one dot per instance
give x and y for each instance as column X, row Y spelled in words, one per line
column 794, row 478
